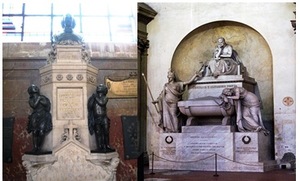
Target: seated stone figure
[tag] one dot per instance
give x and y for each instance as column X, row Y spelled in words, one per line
column 224, row 62
column 247, row 107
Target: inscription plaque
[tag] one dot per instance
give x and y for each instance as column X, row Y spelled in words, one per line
column 191, row 146
column 69, row 55
column 121, row 88
column 70, row 103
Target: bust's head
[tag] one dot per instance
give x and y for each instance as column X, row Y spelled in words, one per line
column 33, row 89
column 101, row 88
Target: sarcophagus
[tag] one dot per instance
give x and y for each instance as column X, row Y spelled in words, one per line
column 207, row 107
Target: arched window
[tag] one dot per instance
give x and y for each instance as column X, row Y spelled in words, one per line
column 96, row 22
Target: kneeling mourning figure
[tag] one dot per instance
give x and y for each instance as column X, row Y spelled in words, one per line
column 40, row 120
column 247, row 107
column 98, row 121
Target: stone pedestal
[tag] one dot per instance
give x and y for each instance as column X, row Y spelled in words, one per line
column 209, row 147
column 71, row 161
column 68, row 83
column 68, row 80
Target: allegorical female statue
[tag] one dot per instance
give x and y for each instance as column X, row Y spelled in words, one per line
column 40, row 120
column 98, row 122
column 247, row 106
column 168, row 99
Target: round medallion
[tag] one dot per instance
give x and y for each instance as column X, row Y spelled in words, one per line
column 169, row 139
column 69, row 77
column 246, row 139
column 288, row 101
column 59, row 77
column 79, row 77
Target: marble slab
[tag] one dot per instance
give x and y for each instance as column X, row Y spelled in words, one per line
column 252, row 147
column 211, row 147
column 207, row 129
column 69, row 54
column 210, row 86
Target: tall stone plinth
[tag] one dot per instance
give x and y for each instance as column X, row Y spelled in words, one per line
column 68, row 83
column 208, row 148
column 68, row 80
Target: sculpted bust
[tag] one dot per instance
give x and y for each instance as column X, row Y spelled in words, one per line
column 68, row 37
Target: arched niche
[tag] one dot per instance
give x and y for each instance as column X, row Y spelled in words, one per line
column 252, row 48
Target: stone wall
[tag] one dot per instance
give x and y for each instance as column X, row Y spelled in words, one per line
column 21, row 63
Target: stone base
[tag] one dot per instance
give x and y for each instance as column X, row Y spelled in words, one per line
column 71, row 161
column 209, row 147
column 223, row 165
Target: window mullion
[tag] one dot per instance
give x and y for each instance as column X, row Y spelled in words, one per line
column 23, row 20
column 51, row 25
column 80, row 18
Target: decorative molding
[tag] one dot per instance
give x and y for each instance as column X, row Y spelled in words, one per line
column 59, row 77
column 72, row 161
column 79, row 77
column 69, row 77
column 46, row 79
column 143, row 45
column 91, row 79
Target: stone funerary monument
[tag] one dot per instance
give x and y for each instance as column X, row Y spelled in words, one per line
column 68, row 80
column 220, row 126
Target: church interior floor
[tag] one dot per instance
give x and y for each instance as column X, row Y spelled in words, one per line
column 173, row 175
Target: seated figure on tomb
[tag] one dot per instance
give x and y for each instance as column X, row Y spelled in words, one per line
column 247, row 106
column 225, row 60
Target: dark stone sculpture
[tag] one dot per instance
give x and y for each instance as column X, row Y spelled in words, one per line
column 40, row 120
column 68, row 37
column 247, row 107
column 98, row 122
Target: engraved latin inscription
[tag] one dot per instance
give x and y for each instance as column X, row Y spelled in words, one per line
column 70, row 103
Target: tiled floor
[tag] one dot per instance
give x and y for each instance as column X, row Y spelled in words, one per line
column 170, row 175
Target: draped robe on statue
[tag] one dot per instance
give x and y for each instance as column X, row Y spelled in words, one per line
column 168, row 100
column 248, row 112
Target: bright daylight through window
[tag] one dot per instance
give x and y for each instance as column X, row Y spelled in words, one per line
column 38, row 22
